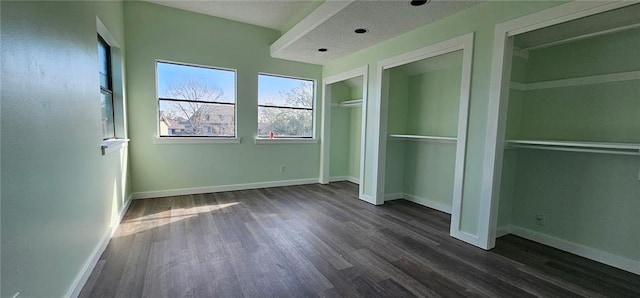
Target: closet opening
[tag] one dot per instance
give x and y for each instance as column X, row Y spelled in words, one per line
column 424, row 114
column 569, row 167
column 422, row 128
column 343, row 135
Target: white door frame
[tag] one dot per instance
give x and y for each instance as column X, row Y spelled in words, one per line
column 499, row 97
column 464, row 43
column 326, row 122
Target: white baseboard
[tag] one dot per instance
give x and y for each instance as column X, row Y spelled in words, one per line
column 87, row 268
column 601, row 256
column 418, row 200
column 345, row 178
column 208, row 189
column 503, row 230
column 393, row 196
column 429, row 203
column 464, row 236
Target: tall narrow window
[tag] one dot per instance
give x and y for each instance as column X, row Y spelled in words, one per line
column 285, row 107
column 195, row 101
column 106, row 89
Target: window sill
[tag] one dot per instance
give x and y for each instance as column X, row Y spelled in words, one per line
column 113, row 145
column 197, row 140
column 286, row 141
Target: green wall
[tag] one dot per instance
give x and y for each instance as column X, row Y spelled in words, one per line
column 158, row 32
column 599, row 112
column 510, row 158
column 355, row 140
column 423, row 104
column 398, row 93
column 480, row 19
column 60, row 196
column 434, row 102
column 340, row 132
column 346, row 124
column 588, row 199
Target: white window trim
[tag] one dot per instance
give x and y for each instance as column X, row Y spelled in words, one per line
column 120, row 141
column 113, row 145
column 262, row 141
column 293, row 140
column 195, row 140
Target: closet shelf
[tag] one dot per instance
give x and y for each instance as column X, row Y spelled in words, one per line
column 423, row 138
column 577, row 146
column 580, row 81
column 348, row 103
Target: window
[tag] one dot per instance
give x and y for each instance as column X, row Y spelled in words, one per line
column 106, row 89
column 195, row 101
column 285, row 107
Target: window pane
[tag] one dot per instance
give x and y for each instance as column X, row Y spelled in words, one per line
column 178, row 81
column 178, row 118
column 103, row 63
column 285, row 92
column 284, row 122
column 108, row 127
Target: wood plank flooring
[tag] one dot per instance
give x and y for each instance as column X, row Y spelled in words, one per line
column 320, row 240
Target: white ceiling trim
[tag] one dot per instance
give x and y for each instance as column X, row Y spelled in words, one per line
column 306, row 25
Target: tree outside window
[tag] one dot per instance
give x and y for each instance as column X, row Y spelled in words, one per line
column 195, row 101
column 285, row 107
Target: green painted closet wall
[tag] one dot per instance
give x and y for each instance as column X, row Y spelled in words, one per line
column 355, row 140
column 396, row 124
column 423, row 104
column 588, row 199
column 158, row 32
column 346, row 124
column 480, row 19
column 60, row 196
column 340, row 122
column 510, row 157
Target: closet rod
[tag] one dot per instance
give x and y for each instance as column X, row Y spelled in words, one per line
column 542, row 147
column 588, row 80
column 348, row 103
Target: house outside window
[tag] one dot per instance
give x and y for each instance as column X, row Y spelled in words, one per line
column 285, row 107
column 195, row 101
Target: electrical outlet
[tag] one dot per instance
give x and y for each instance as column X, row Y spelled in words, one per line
column 540, row 219
column 282, row 168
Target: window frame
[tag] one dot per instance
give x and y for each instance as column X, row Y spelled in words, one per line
column 109, row 87
column 120, row 141
column 160, row 139
column 288, row 139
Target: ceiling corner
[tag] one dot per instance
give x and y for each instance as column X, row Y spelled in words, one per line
column 307, row 24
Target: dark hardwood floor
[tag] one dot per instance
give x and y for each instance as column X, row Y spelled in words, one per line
column 320, row 240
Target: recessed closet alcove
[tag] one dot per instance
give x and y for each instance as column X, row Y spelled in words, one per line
column 570, row 171
column 423, row 127
column 346, row 125
column 343, row 124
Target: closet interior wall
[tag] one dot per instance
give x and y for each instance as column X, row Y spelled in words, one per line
column 346, row 124
column 424, row 101
column 586, row 199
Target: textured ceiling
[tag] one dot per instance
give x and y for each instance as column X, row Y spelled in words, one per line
column 275, row 14
column 383, row 19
